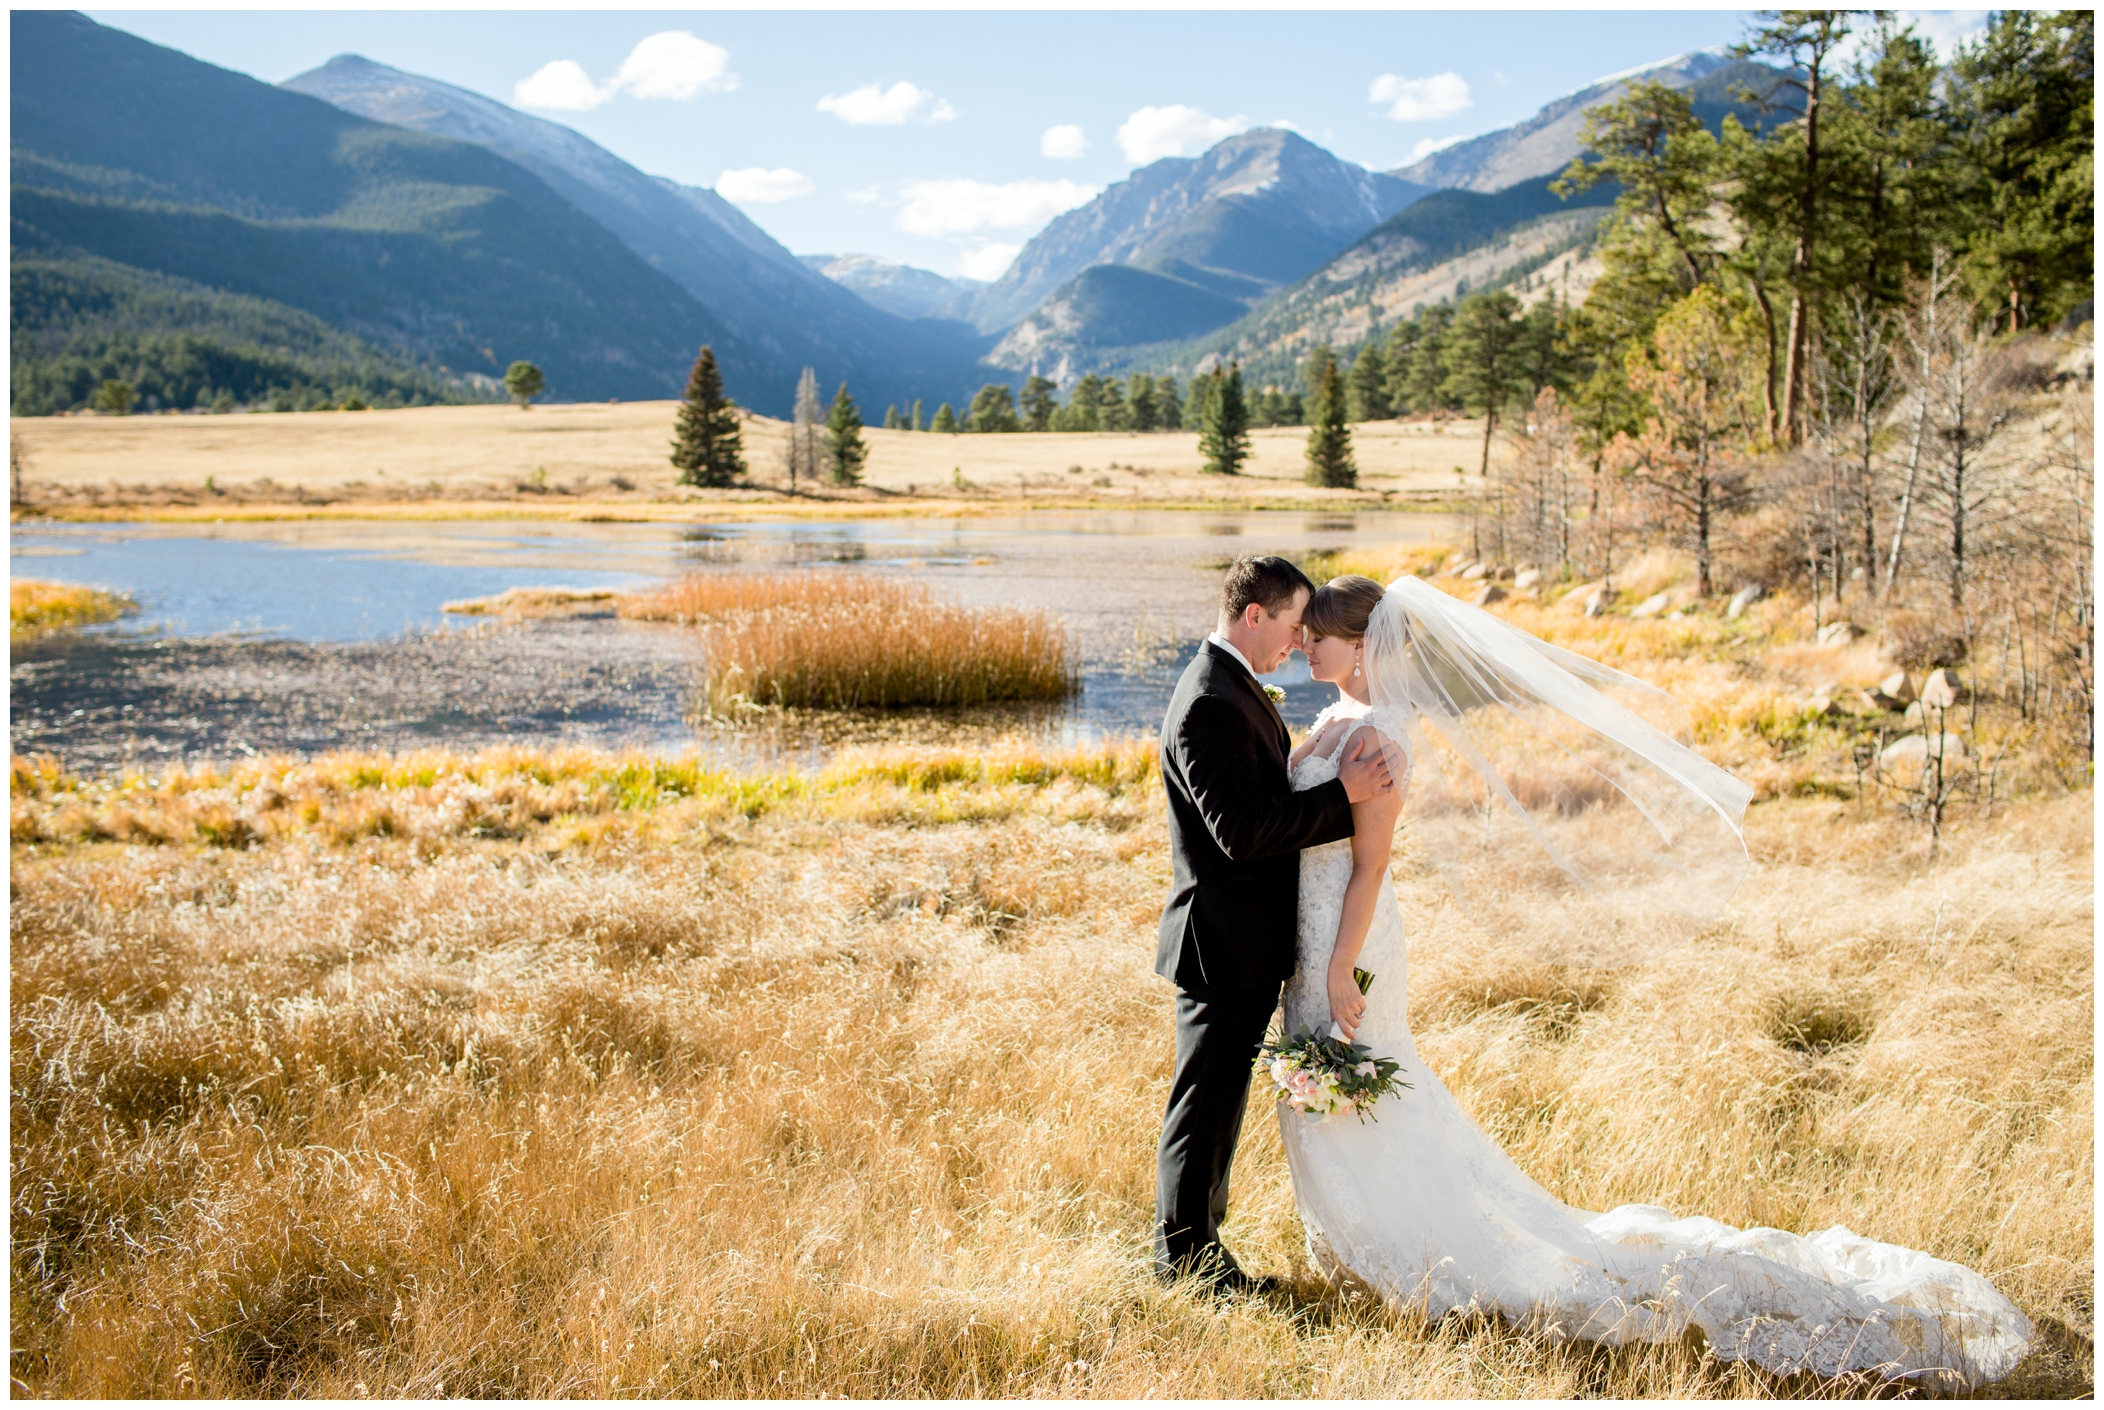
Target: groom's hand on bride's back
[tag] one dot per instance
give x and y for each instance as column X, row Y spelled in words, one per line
column 1365, row 773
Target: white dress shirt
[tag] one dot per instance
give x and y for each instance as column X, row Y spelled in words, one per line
column 1229, row 647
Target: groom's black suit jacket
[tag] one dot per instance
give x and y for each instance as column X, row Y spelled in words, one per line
column 1236, row 831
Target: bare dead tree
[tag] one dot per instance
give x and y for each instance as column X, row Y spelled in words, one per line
column 1539, row 485
column 1957, row 377
column 1857, row 385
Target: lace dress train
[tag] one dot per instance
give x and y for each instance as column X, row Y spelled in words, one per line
column 1425, row 1209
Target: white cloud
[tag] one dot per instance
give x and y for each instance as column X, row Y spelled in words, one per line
column 874, row 105
column 760, row 186
column 989, row 262
column 959, row 207
column 1064, row 143
column 1422, row 99
column 1942, row 30
column 1153, row 133
column 562, row 87
column 670, row 64
column 1427, row 146
column 674, row 64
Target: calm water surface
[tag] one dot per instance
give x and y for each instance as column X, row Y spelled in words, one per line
column 327, row 635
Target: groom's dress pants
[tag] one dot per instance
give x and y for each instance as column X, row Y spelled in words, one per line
column 1218, row 1032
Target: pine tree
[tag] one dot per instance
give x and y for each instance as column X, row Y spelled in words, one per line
column 1482, row 359
column 1367, row 393
column 1223, row 439
column 891, row 417
column 993, row 409
column 1316, row 368
column 1329, row 439
column 920, row 422
column 1427, row 380
column 1040, row 401
column 1168, row 405
column 1194, row 404
column 2022, row 99
column 1543, row 360
column 1083, row 403
column 1111, row 412
column 706, row 445
column 846, row 452
column 945, row 419
column 1140, row 404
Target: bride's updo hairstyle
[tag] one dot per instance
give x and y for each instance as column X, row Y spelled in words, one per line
column 1342, row 607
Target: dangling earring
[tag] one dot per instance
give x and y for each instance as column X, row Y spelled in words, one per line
column 1355, row 665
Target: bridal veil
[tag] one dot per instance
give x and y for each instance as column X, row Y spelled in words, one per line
column 1560, row 799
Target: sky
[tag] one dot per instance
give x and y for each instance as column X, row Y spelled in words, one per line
column 945, row 139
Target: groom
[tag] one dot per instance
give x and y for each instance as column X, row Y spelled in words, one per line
column 1236, row 830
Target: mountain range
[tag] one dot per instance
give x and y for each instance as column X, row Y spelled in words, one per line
column 893, row 287
column 170, row 215
column 1256, row 211
column 1546, row 143
column 127, row 154
column 783, row 314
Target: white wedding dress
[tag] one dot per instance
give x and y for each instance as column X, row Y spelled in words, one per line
column 1425, row 1209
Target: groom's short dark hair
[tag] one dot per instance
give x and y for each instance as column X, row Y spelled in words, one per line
column 1263, row 578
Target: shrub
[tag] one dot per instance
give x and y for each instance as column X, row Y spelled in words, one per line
column 35, row 608
column 836, row 641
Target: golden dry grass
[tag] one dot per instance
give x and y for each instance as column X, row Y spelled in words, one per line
column 529, row 602
column 696, row 597
column 35, row 607
column 596, row 459
column 548, row 1074
column 828, row 641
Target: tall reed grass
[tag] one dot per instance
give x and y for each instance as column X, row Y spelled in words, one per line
column 835, row 641
column 564, row 1074
column 36, row 607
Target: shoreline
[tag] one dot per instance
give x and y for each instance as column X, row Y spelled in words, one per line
column 736, row 505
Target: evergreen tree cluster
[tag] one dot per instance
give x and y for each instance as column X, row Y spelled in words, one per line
column 1826, row 221
column 78, row 323
column 1140, row 402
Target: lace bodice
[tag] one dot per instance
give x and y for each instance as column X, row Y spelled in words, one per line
column 1324, row 871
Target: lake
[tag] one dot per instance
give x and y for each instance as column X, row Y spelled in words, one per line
column 309, row 636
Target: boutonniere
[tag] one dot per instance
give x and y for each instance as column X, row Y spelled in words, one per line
column 1277, row 694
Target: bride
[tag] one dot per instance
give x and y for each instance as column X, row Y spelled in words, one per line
column 1418, row 1203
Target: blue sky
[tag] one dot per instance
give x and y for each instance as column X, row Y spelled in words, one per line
column 946, row 139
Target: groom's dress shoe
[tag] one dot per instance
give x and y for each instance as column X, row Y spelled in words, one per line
column 1217, row 1274
column 1236, row 1281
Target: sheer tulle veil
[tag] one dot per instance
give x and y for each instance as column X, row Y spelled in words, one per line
column 1559, row 798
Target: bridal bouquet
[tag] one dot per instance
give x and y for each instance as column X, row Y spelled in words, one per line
column 1321, row 1076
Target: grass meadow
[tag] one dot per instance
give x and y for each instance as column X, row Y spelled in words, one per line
column 545, row 1074
column 584, row 460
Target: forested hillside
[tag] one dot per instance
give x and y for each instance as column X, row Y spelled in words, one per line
column 77, row 323
column 438, row 252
